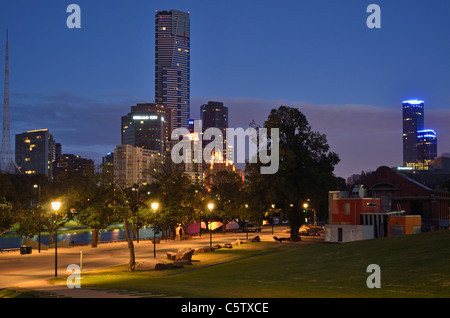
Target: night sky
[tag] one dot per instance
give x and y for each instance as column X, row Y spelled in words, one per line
column 317, row 55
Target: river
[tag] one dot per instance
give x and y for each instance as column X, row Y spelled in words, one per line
column 76, row 238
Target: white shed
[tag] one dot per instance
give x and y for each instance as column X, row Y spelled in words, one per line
column 340, row 233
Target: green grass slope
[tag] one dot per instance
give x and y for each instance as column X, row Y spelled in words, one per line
column 411, row 266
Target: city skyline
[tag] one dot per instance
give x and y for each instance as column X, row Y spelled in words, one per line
column 348, row 80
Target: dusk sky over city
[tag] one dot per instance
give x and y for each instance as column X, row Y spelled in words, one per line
column 253, row 56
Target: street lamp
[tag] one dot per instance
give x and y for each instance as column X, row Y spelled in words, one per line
column 55, row 207
column 246, row 222
column 273, row 207
column 39, row 221
column 210, row 207
column 305, row 205
column 154, row 206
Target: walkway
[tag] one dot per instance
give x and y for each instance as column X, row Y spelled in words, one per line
column 31, row 272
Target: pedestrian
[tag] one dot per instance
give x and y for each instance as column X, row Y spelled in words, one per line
column 181, row 232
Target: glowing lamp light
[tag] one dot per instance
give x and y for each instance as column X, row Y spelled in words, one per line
column 155, row 206
column 210, row 206
column 56, row 205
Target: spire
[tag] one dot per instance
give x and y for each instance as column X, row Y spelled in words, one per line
column 6, row 160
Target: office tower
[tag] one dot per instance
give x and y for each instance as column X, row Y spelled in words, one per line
column 215, row 114
column 7, row 164
column 172, row 64
column 413, row 121
column 72, row 164
column 134, row 165
column 35, row 152
column 426, row 147
column 148, row 126
column 108, row 168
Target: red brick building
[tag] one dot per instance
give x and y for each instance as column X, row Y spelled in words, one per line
column 399, row 192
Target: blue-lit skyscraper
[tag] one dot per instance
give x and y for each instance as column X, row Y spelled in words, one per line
column 172, row 64
column 426, row 146
column 413, row 121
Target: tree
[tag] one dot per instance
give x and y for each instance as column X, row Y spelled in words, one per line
column 7, row 219
column 96, row 210
column 306, row 167
column 123, row 211
column 226, row 187
column 174, row 191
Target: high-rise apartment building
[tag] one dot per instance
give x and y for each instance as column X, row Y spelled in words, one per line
column 73, row 164
column 134, row 165
column 35, row 152
column 413, row 121
column 148, row 126
column 172, row 64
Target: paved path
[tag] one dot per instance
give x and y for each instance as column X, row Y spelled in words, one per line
column 32, row 271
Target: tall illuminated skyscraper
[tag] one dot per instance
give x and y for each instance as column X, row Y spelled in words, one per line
column 413, row 121
column 426, row 146
column 172, row 64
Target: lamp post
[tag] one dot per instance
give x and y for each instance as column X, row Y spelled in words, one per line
column 210, row 207
column 155, row 206
column 39, row 221
column 305, row 205
column 246, row 223
column 55, row 207
column 273, row 207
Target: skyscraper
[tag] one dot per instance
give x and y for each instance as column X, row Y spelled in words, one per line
column 35, row 152
column 426, row 147
column 215, row 114
column 147, row 126
column 172, row 64
column 413, row 121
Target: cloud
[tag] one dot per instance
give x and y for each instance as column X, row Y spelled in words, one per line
column 364, row 136
column 86, row 126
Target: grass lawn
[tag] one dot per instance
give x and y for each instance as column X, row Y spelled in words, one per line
column 411, row 266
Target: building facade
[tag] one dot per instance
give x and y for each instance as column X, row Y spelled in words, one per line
column 147, row 126
column 35, row 152
column 413, row 121
column 400, row 192
column 134, row 165
column 426, row 148
column 172, row 63
column 73, row 164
